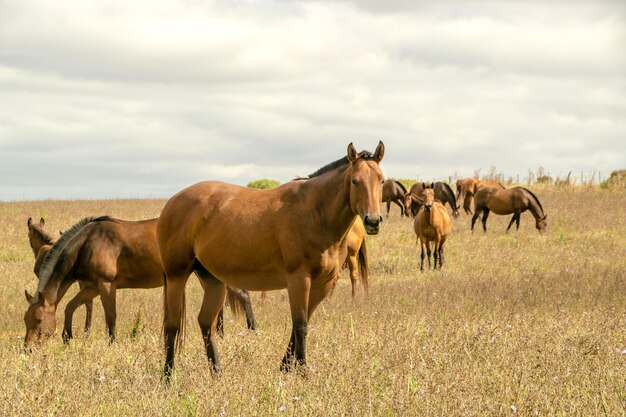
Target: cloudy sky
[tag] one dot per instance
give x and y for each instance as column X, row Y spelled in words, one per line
column 102, row 99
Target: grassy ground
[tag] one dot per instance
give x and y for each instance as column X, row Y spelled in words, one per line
column 516, row 324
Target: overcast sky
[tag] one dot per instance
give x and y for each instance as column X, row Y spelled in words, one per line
column 102, row 99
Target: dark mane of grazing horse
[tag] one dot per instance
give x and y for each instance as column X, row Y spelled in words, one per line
column 450, row 194
column 535, row 197
column 401, row 186
column 50, row 261
column 366, row 155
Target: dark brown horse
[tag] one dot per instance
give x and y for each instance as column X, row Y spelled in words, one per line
column 41, row 243
column 467, row 188
column 443, row 193
column 106, row 254
column 511, row 201
column 289, row 237
column 432, row 224
column 394, row 192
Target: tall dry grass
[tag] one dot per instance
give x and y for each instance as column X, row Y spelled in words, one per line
column 516, row 324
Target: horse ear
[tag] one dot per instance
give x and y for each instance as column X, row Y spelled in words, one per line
column 353, row 155
column 432, row 185
column 545, row 216
column 379, row 152
column 28, row 296
column 42, row 222
column 29, row 223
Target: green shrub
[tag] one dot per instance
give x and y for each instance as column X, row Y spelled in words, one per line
column 263, row 184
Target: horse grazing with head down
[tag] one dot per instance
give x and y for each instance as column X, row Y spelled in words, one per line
column 106, row 254
column 468, row 187
column 394, row 192
column 41, row 243
column 432, row 224
column 294, row 239
column 510, row 201
column 442, row 192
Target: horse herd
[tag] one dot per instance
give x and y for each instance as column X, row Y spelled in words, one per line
column 237, row 239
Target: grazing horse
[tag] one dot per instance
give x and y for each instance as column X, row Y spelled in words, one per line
column 394, row 192
column 443, row 193
column 105, row 254
column 432, row 224
column 292, row 236
column 41, row 242
column 510, row 201
column 468, row 187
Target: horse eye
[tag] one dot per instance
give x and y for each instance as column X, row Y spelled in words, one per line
column 355, row 181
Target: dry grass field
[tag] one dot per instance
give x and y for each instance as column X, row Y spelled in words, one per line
column 516, row 324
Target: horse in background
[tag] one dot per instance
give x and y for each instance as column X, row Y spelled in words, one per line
column 394, row 192
column 442, row 192
column 105, row 254
column 432, row 224
column 509, row 201
column 467, row 188
column 41, row 242
column 294, row 239
column 356, row 261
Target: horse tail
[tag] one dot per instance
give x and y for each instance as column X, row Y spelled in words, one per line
column 235, row 303
column 59, row 262
column 363, row 268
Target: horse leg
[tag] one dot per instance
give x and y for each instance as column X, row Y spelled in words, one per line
column 88, row 309
column 212, row 303
column 436, row 252
column 388, row 208
column 298, row 289
column 519, row 216
column 86, row 294
column 401, row 208
column 474, row 218
column 467, row 201
column 353, row 268
column 485, row 215
column 422, row 256
column 443, row 239
column 511, row 222
column 244, row 298
column 428, row 253
column 107, row 297
column 173, row 316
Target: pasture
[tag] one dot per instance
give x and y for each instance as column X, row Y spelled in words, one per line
column 515, row 324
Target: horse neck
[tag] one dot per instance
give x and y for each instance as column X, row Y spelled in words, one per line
column 55, row 289
column 329, row 196
column 534, row 206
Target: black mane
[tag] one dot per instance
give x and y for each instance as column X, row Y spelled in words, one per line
column 366, row 155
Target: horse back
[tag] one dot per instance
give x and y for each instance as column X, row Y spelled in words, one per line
column 123, row 251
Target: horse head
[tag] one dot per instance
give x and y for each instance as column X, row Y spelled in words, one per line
column 39, row 319
column 428, row 196
column 37, row 237
column 541, row 223
column 366, row 181
column 413, row 203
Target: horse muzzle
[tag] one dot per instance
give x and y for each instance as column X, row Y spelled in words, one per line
column 372, row 224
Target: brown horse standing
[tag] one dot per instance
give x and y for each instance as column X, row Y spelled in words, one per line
column 394, row 192
column 468, row 187
column 41, row 243
column 443, row 193
column 293, row 238
column 106, row 254
column 432, row 224
column 511, row 201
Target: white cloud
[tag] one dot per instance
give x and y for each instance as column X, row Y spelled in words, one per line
column 157, row 95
